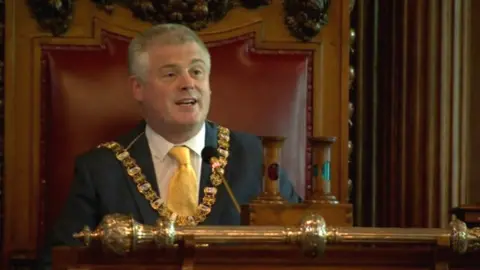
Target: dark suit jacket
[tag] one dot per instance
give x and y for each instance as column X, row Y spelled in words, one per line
column 101, row 185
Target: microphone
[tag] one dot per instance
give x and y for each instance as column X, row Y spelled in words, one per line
column 210, row 155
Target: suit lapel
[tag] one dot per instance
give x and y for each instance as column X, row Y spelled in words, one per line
column 210, row 140
column 140, row 151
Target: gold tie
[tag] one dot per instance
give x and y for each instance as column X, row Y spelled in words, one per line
column 182, row 190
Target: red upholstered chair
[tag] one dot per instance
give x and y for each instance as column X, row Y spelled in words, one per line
column 87, row 100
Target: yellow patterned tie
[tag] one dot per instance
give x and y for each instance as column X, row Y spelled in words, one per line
column 182, row 190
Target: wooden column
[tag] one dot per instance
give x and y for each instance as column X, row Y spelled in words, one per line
column 272, row 152
column 411, row 111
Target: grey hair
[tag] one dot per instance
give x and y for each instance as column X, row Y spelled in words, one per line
column 160, row 34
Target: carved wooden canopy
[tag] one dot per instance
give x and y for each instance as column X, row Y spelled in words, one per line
column 304, row 18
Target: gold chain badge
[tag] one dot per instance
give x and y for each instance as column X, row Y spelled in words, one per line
column 144, row 187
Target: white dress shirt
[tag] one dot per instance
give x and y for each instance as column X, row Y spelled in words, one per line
column 165, row 165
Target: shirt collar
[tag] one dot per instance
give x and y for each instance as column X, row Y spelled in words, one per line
column 160, row 147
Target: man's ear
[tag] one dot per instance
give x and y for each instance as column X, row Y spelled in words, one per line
column 136, row 87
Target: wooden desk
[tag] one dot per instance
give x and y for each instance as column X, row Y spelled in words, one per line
column 265, row 258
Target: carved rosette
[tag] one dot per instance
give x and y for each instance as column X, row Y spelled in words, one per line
column 305, row 18
column 55, row 15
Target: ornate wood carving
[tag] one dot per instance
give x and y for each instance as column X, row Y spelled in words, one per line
column 305, row 18
column 55, row 16
column 195, row 14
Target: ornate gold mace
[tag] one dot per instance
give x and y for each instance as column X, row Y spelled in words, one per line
column 122, row 234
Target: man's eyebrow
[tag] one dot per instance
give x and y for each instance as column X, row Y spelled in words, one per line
column 197, row 60
column 168, row 66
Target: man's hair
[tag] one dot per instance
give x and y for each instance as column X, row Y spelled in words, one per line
column 161, row 34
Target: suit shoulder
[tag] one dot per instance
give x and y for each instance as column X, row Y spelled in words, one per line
column 95, row 156
column 246, row 139
column 239, row 138
column 100, row 153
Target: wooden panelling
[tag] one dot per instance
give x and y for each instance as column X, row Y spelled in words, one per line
column 273, row 257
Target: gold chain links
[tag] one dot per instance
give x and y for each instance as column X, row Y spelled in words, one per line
column 144, row 187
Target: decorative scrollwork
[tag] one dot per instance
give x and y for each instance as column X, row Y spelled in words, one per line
column 196, row 14
column 305, row 18
column 53, row 15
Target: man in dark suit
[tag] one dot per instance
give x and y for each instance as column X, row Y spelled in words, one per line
column 142, row 173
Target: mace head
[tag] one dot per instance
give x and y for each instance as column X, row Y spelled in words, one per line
column 117, row 233
column 313, row 234
column 458, row 236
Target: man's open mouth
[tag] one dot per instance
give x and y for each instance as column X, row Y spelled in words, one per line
column 186, row 102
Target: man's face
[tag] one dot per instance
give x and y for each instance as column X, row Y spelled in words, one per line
column 176, row 88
